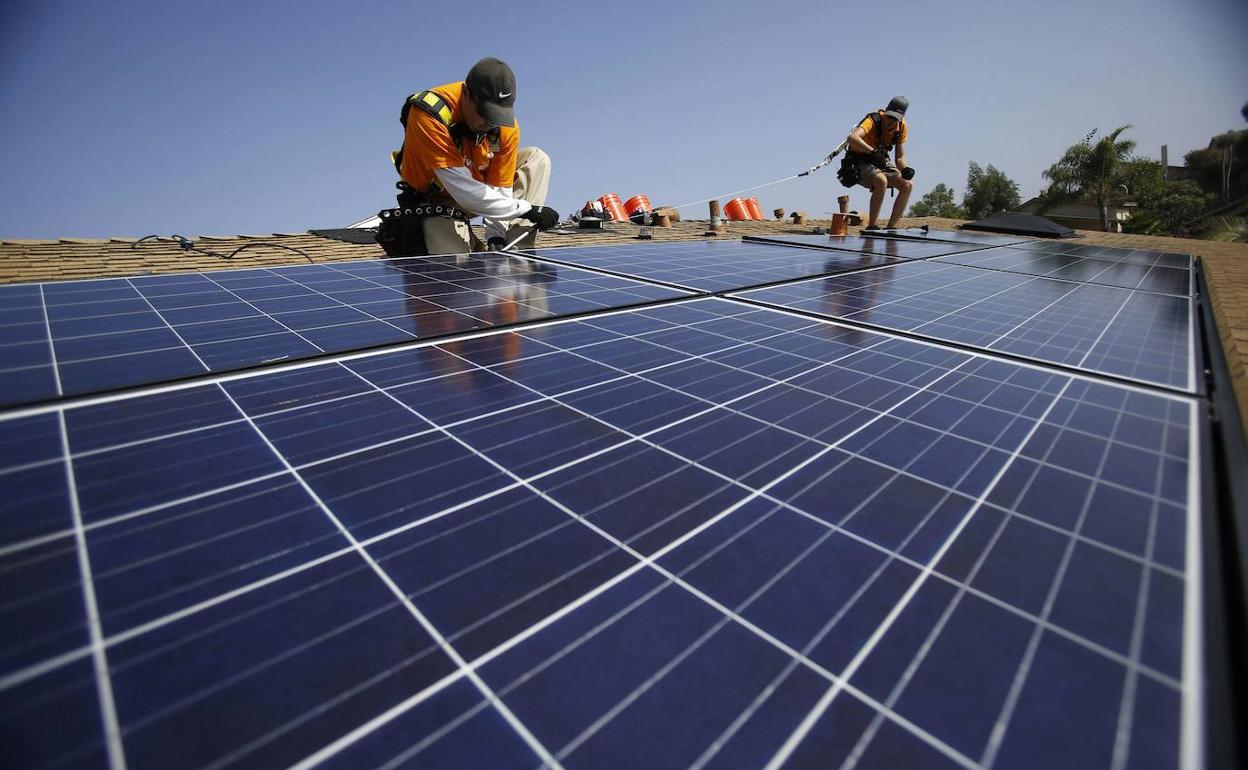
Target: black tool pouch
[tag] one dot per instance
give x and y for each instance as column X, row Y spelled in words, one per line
column 848, row 172
column 401, row 232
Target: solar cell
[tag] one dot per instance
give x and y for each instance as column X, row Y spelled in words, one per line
column 1110, row 272
column 1130, row 334
column 729, row 536
column 715, row 266
column 77, row 337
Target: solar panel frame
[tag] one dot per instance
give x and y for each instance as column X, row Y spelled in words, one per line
column 859, row 242
column 854, row 694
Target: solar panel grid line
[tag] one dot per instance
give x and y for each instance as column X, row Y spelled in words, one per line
column 424, row 622
column 99, row 655
column 786, row 750
column 1002, row 724
column 967, row 259
column 43, row 303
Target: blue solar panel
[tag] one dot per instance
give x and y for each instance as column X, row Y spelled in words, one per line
column 728, row 536
column 1136, row 256
column 1068, row 267
column 79, row 337
column 1131, row 334
column 723, row 265
column 893, row 247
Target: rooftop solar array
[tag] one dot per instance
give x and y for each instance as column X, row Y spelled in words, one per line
column 76, row 337
column 854, row 519
column 702, row 534
column 1136, row 335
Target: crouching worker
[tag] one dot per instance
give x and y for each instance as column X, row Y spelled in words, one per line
column 869, row 144
column 461, row 157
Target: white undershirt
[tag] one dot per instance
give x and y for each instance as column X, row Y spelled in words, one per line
column 496, row 204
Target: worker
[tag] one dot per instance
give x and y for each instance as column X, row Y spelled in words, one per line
column 461, row 157
column 869, row 144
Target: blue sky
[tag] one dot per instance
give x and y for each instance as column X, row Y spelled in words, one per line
column 129, row 118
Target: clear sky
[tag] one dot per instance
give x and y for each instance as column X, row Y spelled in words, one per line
column 136, row 117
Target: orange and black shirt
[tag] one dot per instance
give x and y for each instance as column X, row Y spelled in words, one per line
column 430, row 144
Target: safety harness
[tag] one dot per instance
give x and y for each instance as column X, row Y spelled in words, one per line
column 848, row 173
column 401, row 231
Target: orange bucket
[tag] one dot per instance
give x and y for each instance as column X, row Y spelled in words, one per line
column 840, row 225
column 737, row 210
column 637, row 207
column 611, row 204
column 756, row 210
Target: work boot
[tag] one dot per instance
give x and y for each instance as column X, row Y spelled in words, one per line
column 873, row 229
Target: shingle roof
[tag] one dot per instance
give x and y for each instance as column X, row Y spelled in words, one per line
column 1226, row 264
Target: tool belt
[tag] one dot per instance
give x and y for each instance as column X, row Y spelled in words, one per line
column 401, row 232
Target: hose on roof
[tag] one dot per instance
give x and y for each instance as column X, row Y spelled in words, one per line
column 189, row 245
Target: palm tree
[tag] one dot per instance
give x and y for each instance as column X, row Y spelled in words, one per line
column 1227, row 229
column 1089, row 170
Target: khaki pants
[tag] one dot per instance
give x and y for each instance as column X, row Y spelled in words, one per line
column 448, row 236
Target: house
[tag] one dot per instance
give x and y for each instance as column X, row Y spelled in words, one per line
column 1082, row 215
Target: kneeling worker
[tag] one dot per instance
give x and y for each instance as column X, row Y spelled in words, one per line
column 869, row 144
column 461, row 157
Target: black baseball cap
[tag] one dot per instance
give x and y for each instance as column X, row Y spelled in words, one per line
column 492, row 86
column 897, row 107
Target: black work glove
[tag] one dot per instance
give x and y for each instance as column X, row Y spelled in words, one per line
column 543, row 216
column 879, row 158
column 495, row 244
column 908, row 173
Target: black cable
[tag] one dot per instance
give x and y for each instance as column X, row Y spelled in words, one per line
column 188, row 245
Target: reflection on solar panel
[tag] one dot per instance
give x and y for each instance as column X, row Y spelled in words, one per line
column 1110, row 272
column 901, row 247
column 1131, row 334
column 702, row 534
column 715, row 266
column 1137, row 256
column 119, row 332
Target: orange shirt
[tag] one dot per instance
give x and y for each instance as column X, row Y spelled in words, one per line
column 428, row 146
column 868, row 126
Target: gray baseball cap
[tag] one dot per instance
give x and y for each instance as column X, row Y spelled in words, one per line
column 492, row 86
column 897, row 107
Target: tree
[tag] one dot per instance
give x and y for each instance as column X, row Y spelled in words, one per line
column 988, row 191
column 938, row 203
column 1229, row 229
column 1090, row 170
column 1163, row 207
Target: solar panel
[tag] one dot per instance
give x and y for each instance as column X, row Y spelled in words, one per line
column 76, row 337
column 1137, row 256
column 714, row 266
column 1135, row 335
column 1067, row 267
column 697, row 534
column 894, row 247
column 957, row 236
